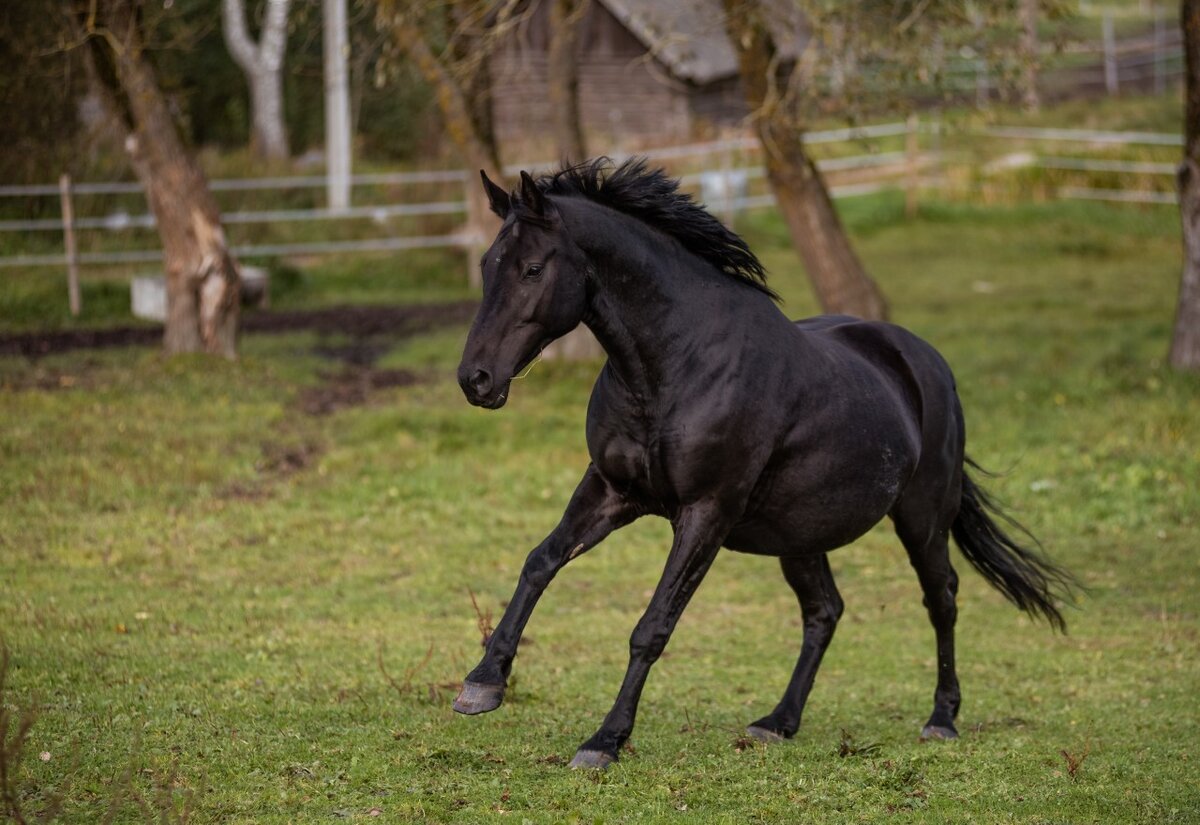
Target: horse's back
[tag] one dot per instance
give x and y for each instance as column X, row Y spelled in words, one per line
column 904, row 358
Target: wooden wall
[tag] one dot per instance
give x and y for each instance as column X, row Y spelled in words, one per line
column 626, row 97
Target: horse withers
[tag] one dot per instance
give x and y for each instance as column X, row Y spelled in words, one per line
column 742, row 428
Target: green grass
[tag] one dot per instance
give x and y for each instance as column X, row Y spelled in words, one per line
column 184, row 611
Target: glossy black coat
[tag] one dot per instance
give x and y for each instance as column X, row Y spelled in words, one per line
column 746, row 430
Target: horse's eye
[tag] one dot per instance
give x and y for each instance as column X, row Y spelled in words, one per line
column 532, row 272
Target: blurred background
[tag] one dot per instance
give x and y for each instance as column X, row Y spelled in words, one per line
column 250, row 532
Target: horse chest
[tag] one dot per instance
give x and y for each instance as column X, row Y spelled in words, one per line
column 661, row 462
column 625, row 454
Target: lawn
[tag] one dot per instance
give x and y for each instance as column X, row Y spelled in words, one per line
column 224, row 608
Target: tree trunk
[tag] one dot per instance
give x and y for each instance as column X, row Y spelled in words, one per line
column 839, row 278
column 269, row 138
column 1185, row 345
column 262, row 64
column 1028, row 12
column 562, row 69
column 201, row 275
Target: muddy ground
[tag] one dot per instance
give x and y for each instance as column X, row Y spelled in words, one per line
column 361, row 323
column 352, row 337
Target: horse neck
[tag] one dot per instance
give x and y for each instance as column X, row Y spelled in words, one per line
column 649, row 297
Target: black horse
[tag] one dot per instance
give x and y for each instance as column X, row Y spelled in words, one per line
column 744, row 429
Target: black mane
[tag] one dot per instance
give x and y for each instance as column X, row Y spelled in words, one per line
column 653, row 197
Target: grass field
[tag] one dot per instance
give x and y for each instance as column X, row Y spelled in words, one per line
column 221, row 606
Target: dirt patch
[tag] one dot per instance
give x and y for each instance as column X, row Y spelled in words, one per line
column 282, row 458
column 350, row 387
column 355, row 321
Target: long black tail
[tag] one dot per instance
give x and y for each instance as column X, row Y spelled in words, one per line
column 1024, row 576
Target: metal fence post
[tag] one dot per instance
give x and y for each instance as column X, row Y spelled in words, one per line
column 71, row 252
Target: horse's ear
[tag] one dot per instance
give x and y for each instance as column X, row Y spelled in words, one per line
column 532, row 196
column 497, row 198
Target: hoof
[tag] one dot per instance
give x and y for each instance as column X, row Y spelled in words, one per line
column 938, row 732
column 592, row 761
column 767, row 737
column 476, row 698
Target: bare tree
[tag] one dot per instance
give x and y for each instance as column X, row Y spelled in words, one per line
column 201, row 275
column 456, row 70
column 802, row 59
column 562, row 69
column 838, row 276
column 262, row 64
column 1185, row 345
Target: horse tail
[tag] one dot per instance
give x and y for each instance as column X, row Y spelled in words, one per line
column 1024, row 576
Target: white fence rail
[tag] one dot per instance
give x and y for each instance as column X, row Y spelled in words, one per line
column 380, row 213
column 871, row 172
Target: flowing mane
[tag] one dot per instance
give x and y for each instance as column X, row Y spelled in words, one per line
column 653, row 197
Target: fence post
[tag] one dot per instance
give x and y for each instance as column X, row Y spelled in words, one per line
column 1111, row 79
column 475, row 245
column 1160, row 37
column 982, row 91
column 727, row 183
column 72, row 253
column 912, row 157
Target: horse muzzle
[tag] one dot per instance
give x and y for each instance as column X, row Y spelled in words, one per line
column 481, row 389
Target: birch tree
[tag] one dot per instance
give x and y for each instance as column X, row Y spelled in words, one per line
column 262, row 63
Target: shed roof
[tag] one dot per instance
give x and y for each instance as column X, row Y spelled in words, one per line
column 688, row 36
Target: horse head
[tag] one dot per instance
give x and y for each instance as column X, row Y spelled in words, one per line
column 533, row 292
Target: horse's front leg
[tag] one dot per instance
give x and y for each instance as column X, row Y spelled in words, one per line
column 699, row 532
column 595, row 510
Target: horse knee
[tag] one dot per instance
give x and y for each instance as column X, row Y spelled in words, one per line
column 647, row 643
column 541, row 566
column 943, row 607
column 836, row 607
column 820, row 624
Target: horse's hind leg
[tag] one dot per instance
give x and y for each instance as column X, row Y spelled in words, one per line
column 929, row 552
column 821, row 607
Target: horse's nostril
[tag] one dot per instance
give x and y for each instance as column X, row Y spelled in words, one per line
column 481, row 381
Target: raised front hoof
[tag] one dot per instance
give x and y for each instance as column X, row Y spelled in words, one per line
column 764, row 735
column 939, row 732
column 476, row 698
column 592, row 761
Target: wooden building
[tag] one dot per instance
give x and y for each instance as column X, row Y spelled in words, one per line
column 650, row 72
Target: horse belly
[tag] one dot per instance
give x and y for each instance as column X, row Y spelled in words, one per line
column 817, row 505
column 802, row 532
